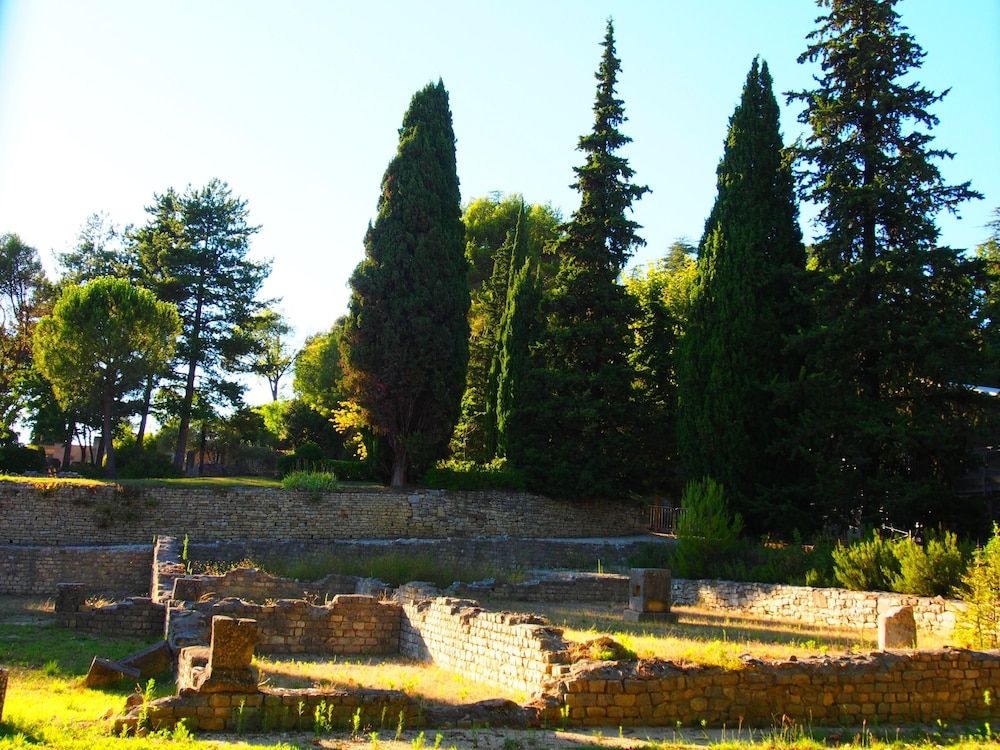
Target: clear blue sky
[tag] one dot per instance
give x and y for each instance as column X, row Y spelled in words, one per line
column 297, row 105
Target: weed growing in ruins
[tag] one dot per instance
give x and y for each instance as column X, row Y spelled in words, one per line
column 356, row 723
column 418, row 742
column 240, row 715
column 142, row 721
column 323, row 719
column 400, row 723
column 381, row 719
column 438, row 739
column 373, row 736
column 315, row 482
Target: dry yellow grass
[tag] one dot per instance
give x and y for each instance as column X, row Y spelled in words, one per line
column 418, row 679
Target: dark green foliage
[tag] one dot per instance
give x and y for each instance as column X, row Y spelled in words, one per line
column 193, row 251
column 578, row 404
column 883, row 416
column 901, row 565
column 503, row 232
column 405, row 343
column 145, row 463
column 661, row 293
column 17, row 459
column 24, row 291
column 743, row 309
column 707, row 532
column 468, row 476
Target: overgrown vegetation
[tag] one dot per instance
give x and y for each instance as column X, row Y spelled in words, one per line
column 903, row 565
column 979, row 624
column 468, row 475
column 394, row 568
column 310, row 481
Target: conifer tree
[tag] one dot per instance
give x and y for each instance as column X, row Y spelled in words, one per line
column 579, row 446
column 889, row 421
column 742, row 312
column 405, row 342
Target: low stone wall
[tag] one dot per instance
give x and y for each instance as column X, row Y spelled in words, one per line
column 349, row 624
column 72, row 514
column 285, row 710
column 136, row 617
column 35, row 570
column 168, row 566
column 502, row 648
column 829, row 607
column 255, row 585
column 885, row 688
column 609, row 588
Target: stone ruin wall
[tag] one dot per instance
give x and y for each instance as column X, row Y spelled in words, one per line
column 109, row 515
column 512, row 650
column 824, row 607
column 257, row 586
column 35, row 570
column 349, row 624
column 883, row 688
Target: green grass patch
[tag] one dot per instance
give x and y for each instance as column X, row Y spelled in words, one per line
column 394, row 568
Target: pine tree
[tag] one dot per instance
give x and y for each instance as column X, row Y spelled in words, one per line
column 405, row 343
column 888, row 422
column 579, row 446
column 743, row 310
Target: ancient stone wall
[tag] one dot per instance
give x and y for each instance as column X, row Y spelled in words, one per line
column 135, row 617
column 554, row 587
column 257, row 586
column 349, row 624
column 106, row 515
column 115, row 570
column 503, row 648
column 883, row 688
column 816, row 606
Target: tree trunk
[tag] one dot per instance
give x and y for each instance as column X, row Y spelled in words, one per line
column 67, row 458
column 147, row 399
column 398, row 468
column 193, row 361
column 108, row 442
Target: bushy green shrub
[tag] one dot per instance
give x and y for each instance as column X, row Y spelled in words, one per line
column 349, row 471
column 310, row 481
column 17, row 459
column 931, row 570
column 866, row 565
column 309, row 457
column 902, row 565
column 145, row 463
column 707, row 533
column 468, row 475
column 979, row 624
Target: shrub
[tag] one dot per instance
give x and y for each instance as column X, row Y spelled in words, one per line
column 468, row 475
column 349, row 471
column 866, row 565
column 18, row 459
column 707, row 532
column 145, row 463
column 310, row 481
column 933, row 570
column 979, row 624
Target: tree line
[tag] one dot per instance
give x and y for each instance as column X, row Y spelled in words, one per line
column 827, row 384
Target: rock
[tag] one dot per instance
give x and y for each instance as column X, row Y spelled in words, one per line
column 897, row 629
column 106, row 672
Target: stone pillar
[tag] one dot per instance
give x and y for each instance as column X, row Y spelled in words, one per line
column 230, row 656
column 897, row 629
column 3, row 690
column 649, row 595
column 70, row 597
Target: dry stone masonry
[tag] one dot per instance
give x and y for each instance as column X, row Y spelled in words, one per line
column 106, row 515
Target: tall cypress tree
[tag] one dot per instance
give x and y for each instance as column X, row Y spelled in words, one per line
column 742, row 312
column 405, row 342
column 889, row 421
column 579, row 446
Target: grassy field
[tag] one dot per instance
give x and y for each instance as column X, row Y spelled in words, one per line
column 47, row 706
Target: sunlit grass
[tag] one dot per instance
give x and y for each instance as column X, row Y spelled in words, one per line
column 417, row 679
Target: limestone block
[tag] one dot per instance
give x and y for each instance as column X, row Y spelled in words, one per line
column 897, row 629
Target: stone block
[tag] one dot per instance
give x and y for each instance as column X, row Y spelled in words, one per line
column 897, row 629
column 70, row 597
column 233, row 642
column 649, row 590
column 106, row 672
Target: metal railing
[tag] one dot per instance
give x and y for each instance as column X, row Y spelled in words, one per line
column 663, row 518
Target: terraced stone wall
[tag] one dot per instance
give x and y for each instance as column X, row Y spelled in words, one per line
column 35, row 570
